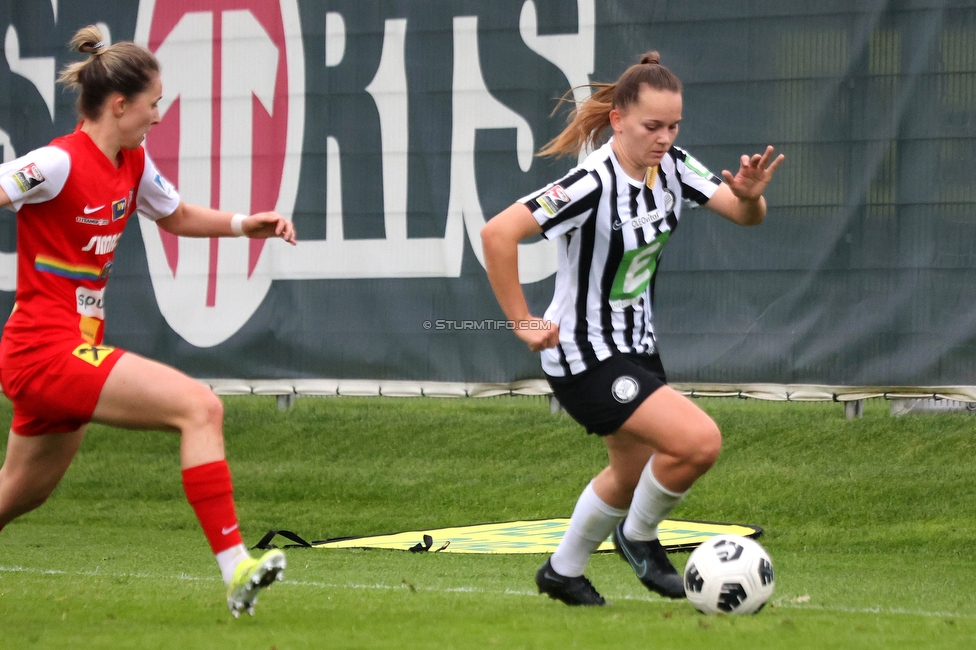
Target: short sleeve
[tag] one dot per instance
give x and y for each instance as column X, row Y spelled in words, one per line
column 565, row 205
column 157, row 197
column 698, row 184
column 36, row 177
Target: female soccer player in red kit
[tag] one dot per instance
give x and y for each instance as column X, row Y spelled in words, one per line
column 73, row 199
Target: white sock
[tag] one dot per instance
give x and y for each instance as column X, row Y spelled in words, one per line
column 652, row 503
column 228, row 560
column 591, row 524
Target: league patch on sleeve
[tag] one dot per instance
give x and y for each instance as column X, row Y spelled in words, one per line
column 554, row 199
column 695, row 166
column 163, row 183
column 28, row 178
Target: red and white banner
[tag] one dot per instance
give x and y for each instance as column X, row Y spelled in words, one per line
column 230, row 137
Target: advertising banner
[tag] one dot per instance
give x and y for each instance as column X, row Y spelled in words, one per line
column 390, row 132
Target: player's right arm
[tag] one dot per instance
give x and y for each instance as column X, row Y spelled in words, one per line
column 160, row 202
column 499, row 239
column 36, row 177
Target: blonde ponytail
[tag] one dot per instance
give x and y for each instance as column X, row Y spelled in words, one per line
column 589, row 119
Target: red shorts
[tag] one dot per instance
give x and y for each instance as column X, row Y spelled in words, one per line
column 55, row 389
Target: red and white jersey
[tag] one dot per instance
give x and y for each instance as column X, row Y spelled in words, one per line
column 72, row 205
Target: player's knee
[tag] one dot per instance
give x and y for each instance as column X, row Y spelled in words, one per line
column 709, row 446
column 703, row 443
column 212, row 410
column 204, row 409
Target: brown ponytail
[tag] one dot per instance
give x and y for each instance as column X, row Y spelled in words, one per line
column 589, row 119
column 124, row 68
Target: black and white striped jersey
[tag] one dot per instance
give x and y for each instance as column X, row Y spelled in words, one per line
column 610, row 230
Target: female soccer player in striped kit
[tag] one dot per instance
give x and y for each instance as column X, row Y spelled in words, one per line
column 73, row 199
column 611, row 217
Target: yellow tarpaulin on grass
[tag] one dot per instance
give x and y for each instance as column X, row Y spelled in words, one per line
column 537, row 536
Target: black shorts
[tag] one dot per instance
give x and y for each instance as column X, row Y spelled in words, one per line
column 604, row 397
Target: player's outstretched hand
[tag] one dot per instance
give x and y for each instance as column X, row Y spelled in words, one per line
column 753, row 176
column 537, row 333
column 269, row 224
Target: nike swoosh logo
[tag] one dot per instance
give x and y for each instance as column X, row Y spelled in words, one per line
column 640, row 568
column 228, row 531
column 643, row 569
column 90, row 210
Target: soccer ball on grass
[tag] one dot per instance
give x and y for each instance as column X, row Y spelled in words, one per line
column 729, row 574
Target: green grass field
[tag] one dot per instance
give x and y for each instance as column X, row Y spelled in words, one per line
column 870, row 523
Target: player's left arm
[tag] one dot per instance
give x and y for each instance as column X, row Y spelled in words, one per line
column 198, row 221
column 740, row 198
column 5, row 201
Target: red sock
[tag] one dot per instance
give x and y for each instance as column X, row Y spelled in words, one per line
column 210, row 493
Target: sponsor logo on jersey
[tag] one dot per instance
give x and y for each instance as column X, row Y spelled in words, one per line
column 102, row 244
column 93, row 354
column 29, row 177
column 55, row 266
column 651, row 177
column 668, row 202
column 90, row 302
column 553, row 200
column 622, row 304
column 90, row 210
column 638, row 222
column 90, row 328
column 637, row 268
column 644, row 219
column 90, row 221
column 118, row 209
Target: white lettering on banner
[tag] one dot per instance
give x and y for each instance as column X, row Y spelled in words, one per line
column 333, row 191
column 207, row 290
column 9, row 153
column 474, row 108
column 8, row 261
column 389, row 91
column 37, row 70
column 335, row 39
column 40, row 72
column 574, row 54
column 215, row 64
